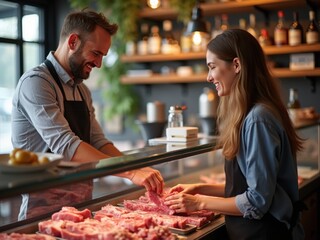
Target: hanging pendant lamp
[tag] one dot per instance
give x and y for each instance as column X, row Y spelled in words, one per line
column 197, row 24
column 197, row 29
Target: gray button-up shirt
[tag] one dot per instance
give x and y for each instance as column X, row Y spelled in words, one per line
column 38, row 123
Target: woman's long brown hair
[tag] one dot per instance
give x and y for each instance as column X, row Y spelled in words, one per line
column 254, row 85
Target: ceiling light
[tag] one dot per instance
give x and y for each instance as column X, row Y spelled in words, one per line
column 197, row 24
column 153, row 3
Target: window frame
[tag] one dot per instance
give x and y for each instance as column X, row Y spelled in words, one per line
column 47, row 40
column 47, row 21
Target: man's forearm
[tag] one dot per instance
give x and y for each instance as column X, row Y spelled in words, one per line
column 87, row 153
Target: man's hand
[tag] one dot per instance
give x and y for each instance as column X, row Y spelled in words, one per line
column 148, row 177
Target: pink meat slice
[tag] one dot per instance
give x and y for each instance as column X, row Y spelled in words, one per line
column 150, row 202
column 51, row 227
column 92, row 230
column 154, row 203
column 71, row 214
column 159, row 202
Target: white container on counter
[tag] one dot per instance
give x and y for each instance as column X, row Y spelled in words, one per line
column 208, row 103
column 156, row 112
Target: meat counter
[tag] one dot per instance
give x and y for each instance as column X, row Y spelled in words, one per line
column 93, row 186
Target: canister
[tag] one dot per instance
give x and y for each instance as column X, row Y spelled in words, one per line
column 156, row 111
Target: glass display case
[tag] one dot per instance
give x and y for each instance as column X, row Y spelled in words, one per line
column 94, row 185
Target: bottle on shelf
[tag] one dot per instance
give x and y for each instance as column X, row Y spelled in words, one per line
column 142, row 46
column 217, row 24
column 252, row 25
column 293, row 104
column 293, row 99
column 312, row 32
column 242, row 24
column 175, row 118
column 280, row 31
column 185, row 42
column 130, row 48
column 224, row 22
column 264, row 38
column 167, row 37
column 154, row 41
column 295, row 33
column 221, row 24
column 169, row 44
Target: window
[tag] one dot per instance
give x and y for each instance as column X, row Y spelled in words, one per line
column 21, row 47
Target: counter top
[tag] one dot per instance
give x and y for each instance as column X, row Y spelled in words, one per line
column 13, row 184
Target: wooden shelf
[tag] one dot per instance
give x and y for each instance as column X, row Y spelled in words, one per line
column 160, row 79
column 226, row 7
column 174, row 78
column 163, row 57
column 270, row 50
column 303, row 48
column 249, row 6
column 287, row 73
column 158, row 14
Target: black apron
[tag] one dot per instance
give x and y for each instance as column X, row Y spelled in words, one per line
column 240, row 228
column 78, row 117
column 75, row 112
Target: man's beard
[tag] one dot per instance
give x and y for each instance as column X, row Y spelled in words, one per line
column 76, row 66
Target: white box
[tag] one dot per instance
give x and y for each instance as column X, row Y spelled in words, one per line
column 302, row 61
column 182, row 134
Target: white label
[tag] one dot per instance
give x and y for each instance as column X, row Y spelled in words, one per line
column 280, row 37
column 312, row 37
column 294, row 37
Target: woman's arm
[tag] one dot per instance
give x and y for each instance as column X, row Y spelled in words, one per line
column 225, row 206
column 186, row 203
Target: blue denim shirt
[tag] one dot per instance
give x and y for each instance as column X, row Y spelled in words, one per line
column 269, row 167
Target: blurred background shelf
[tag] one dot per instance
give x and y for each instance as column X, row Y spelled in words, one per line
column 174, row 78
column 225, row 7
column 270, row 50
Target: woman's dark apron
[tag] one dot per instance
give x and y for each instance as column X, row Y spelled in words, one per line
column 78, row 117
column 240, row 228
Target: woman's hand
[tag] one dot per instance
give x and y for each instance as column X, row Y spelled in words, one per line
column 150, row 178
column 183, row 202
column 184, row 188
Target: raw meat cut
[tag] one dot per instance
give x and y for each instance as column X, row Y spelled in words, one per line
column 51, row 227
column 154, row 203
column 108, row 224
column 150, row 202
column 23, row 236
column 72, row 214
column 159, row 201
column 139, row 217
